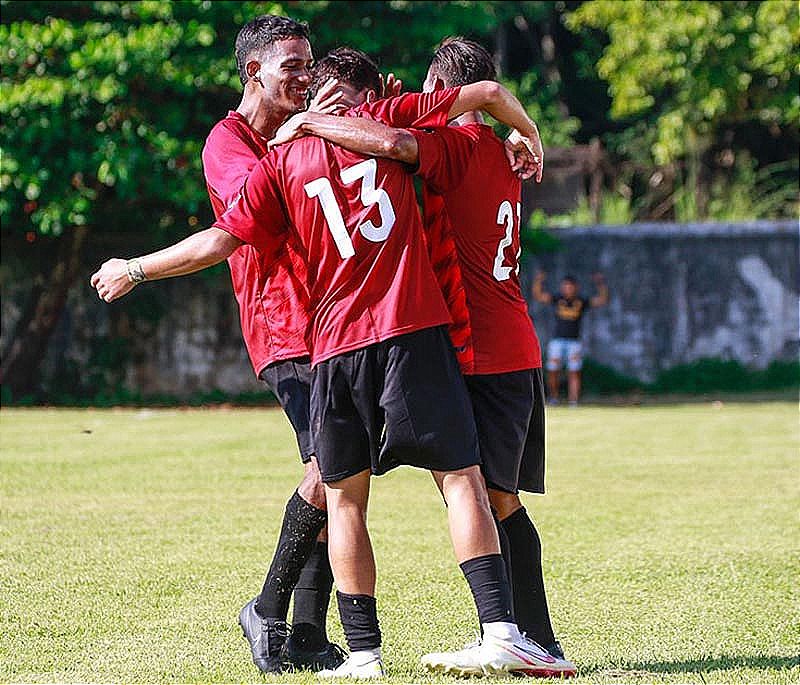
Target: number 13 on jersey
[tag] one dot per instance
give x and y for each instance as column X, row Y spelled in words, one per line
column 370, row 195
column 505, row 217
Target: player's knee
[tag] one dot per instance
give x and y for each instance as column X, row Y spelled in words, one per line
column 504, row 503
column 311, row 488
column 466, row 485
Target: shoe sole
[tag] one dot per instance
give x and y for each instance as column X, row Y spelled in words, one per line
column 451, row 669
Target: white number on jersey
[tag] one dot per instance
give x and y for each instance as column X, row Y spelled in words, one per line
column 370, row 195
column 505, row 215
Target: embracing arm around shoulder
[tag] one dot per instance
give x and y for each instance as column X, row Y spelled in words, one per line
column 357, row 134
column 117, row 277
column 498, row 101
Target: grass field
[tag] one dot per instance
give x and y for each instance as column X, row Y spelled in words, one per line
column 130, row 539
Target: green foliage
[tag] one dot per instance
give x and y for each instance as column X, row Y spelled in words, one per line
column 695, row 66
column 696, row 378
column 104, row 108
column 709, row 375
column 534, row 237
column 598, row 379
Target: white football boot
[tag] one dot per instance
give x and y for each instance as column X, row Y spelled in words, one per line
column 491, row 656
column 359, row 665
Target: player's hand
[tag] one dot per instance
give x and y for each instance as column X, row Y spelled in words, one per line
column 328, row 99
column 290, row 130
column 111, row 280
column 528, row 155
column 521, row 161
column 391, row 85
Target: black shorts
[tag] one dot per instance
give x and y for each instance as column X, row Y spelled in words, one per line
column 509, row 414
column 290, row 382
column 401, row 401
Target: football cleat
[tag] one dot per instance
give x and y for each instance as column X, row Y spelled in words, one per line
column 266, row 637
column 295, row 657
column 498, row 657
column 361, row 669
column 556, row 650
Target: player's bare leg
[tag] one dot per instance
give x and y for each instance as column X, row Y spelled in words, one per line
column 475, row 541
column 353, row 565
column 349, row 545
column 311, row 488
column 472, row 528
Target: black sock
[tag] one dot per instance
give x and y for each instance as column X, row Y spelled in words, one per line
column 359, row 615
column 302, row 523
column 530, row 601
column 490, row 588
column 311, row 597
column 505, row 552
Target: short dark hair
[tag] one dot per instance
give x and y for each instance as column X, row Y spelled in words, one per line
column 569, row 278
column 349, row 65
column 459, row 61
column 260, row 33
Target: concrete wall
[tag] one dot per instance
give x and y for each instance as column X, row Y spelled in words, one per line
column 678, row 293
column 681, row 292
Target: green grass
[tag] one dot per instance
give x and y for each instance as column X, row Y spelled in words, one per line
column 130, row 539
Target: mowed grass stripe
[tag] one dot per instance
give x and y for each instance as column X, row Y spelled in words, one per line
column 130, row 539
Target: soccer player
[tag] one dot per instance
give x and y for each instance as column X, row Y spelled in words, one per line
column 505, row 384
column 273, row 57
column 386, row 388
column 504, row 376
column 565, row 345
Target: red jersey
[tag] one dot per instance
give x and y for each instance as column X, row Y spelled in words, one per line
column 431, row 110
column 272, row 299
column 357, row 225
column 483, row 206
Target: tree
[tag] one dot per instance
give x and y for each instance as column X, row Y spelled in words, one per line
column 105, row 106
column 698, row 65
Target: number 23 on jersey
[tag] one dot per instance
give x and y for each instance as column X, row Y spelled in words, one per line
column 505, row 217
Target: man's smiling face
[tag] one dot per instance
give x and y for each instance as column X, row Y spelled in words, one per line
column 285, row 74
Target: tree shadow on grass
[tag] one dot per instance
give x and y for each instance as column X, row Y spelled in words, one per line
column 645, row 669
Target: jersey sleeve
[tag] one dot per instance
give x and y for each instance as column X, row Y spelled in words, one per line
column 411, row 110
column 256, row 214
column 227, row 161
column 444, row 155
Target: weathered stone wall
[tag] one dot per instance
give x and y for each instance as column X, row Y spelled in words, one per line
column 681, row 292
column 678, row 293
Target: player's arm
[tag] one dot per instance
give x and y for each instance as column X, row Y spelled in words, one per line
column 601, row 298
column 498, row 101
column 117, row 277
column 356, row 134
column 256, row 218
column 538, row 291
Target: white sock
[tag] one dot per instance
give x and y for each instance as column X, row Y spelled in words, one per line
column 364, row 656
column 501, row 630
